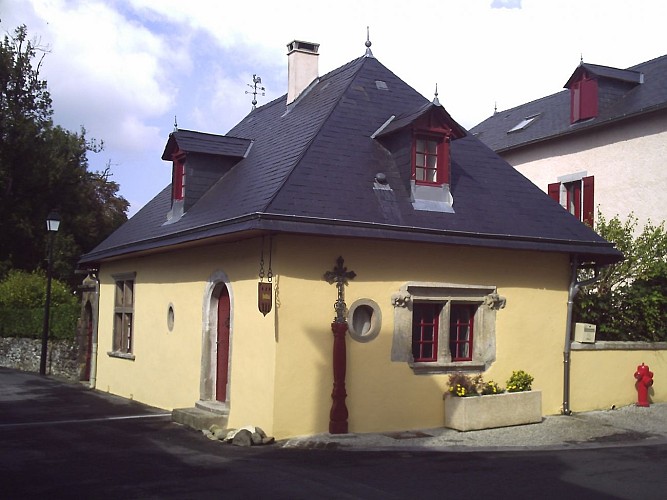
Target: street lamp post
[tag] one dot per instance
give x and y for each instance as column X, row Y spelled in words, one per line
column 52, row 225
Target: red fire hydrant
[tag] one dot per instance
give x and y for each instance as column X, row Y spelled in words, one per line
column 644, row 380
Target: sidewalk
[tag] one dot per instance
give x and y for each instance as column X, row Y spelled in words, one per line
column 26, row 399
column 629, row 425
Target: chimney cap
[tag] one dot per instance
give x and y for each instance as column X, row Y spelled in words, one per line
column 302, row 47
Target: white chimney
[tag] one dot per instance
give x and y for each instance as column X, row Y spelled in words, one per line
column 301, row 67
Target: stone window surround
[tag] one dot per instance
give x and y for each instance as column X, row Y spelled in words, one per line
column 484, row 343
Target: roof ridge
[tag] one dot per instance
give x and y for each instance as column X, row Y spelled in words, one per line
column 523, row 105
column 305, row 149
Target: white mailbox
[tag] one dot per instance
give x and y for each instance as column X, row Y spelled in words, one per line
column 584, row 333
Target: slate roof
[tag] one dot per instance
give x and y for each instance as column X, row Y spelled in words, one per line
column 621, row 96
column 200, row 142
column 311, row 170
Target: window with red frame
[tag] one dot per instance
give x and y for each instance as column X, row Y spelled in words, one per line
column 461, row 325
column 425, row 321
column 431, row 158
column 579, row 197
column 178, row 181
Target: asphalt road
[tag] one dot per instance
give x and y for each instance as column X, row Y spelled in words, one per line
column 62, row 441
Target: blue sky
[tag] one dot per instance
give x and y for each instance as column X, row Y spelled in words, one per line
column 124, row 68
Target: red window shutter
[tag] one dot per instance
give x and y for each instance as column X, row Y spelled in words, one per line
column 583, row 100
column 589, row 99
column 554, row 191
column 589, row 200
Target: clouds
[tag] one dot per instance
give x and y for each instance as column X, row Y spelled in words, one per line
column 506, row 4
column 124, row 68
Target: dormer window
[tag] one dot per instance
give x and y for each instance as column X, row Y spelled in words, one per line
column 421, row 142
column 431, row 160
column 583, row 99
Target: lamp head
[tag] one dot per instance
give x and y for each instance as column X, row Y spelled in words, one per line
column 53, row 221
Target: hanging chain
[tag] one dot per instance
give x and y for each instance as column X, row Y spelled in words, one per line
column 270, row 274
column 261, row 265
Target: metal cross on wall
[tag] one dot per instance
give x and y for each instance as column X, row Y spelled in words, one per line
column 339, row 275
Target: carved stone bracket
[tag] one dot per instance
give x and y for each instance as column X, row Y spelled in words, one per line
column 495, row 301
column 401, row 299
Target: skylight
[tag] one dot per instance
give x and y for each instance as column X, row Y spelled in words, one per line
column 523, row 124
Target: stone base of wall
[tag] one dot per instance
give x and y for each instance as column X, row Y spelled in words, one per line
column 24, row 354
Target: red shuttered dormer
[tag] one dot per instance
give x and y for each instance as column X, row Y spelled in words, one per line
column 583, row 98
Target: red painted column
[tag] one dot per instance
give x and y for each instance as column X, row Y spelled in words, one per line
column 338, row 414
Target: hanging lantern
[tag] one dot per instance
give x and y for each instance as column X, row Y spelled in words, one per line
column 265, row 290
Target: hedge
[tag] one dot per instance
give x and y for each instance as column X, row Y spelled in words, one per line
column 28, row 323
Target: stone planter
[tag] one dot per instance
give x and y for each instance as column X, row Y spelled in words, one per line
column 498, row 410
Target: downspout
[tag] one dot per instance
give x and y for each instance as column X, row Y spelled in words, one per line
column 572, row 293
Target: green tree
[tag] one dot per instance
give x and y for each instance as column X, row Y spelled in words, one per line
column 629, row 302
column 45, row 167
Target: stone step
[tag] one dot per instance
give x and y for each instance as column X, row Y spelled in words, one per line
column 198, row 418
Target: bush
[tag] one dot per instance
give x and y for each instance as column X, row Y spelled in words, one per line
column 629, row 302
column 22, row 297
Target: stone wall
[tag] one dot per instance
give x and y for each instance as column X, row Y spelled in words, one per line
column 24, row 354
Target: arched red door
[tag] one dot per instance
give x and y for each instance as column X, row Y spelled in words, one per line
column 222, row 346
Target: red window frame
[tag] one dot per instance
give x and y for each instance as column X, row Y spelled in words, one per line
column 178, row 176
column 425, row 329
column 461, row 331
column 430, row 159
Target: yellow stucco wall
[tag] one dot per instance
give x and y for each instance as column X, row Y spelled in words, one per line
column 385, row 395
column 166, row 371
column 281, row 370
column 601, row 379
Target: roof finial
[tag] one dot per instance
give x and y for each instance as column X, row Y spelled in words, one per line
column 256, row 80
column 435, row 99
column 368, row 43
column 495, row 107
column 581, row 59
column 175, row 124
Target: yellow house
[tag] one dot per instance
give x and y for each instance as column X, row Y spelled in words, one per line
column 331, row 260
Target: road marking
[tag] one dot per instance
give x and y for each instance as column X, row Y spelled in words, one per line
column 83, row 421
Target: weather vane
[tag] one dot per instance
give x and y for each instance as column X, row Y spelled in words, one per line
column 256, row 89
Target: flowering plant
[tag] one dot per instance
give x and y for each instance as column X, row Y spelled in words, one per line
column 462, row 385
column 519, row 381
